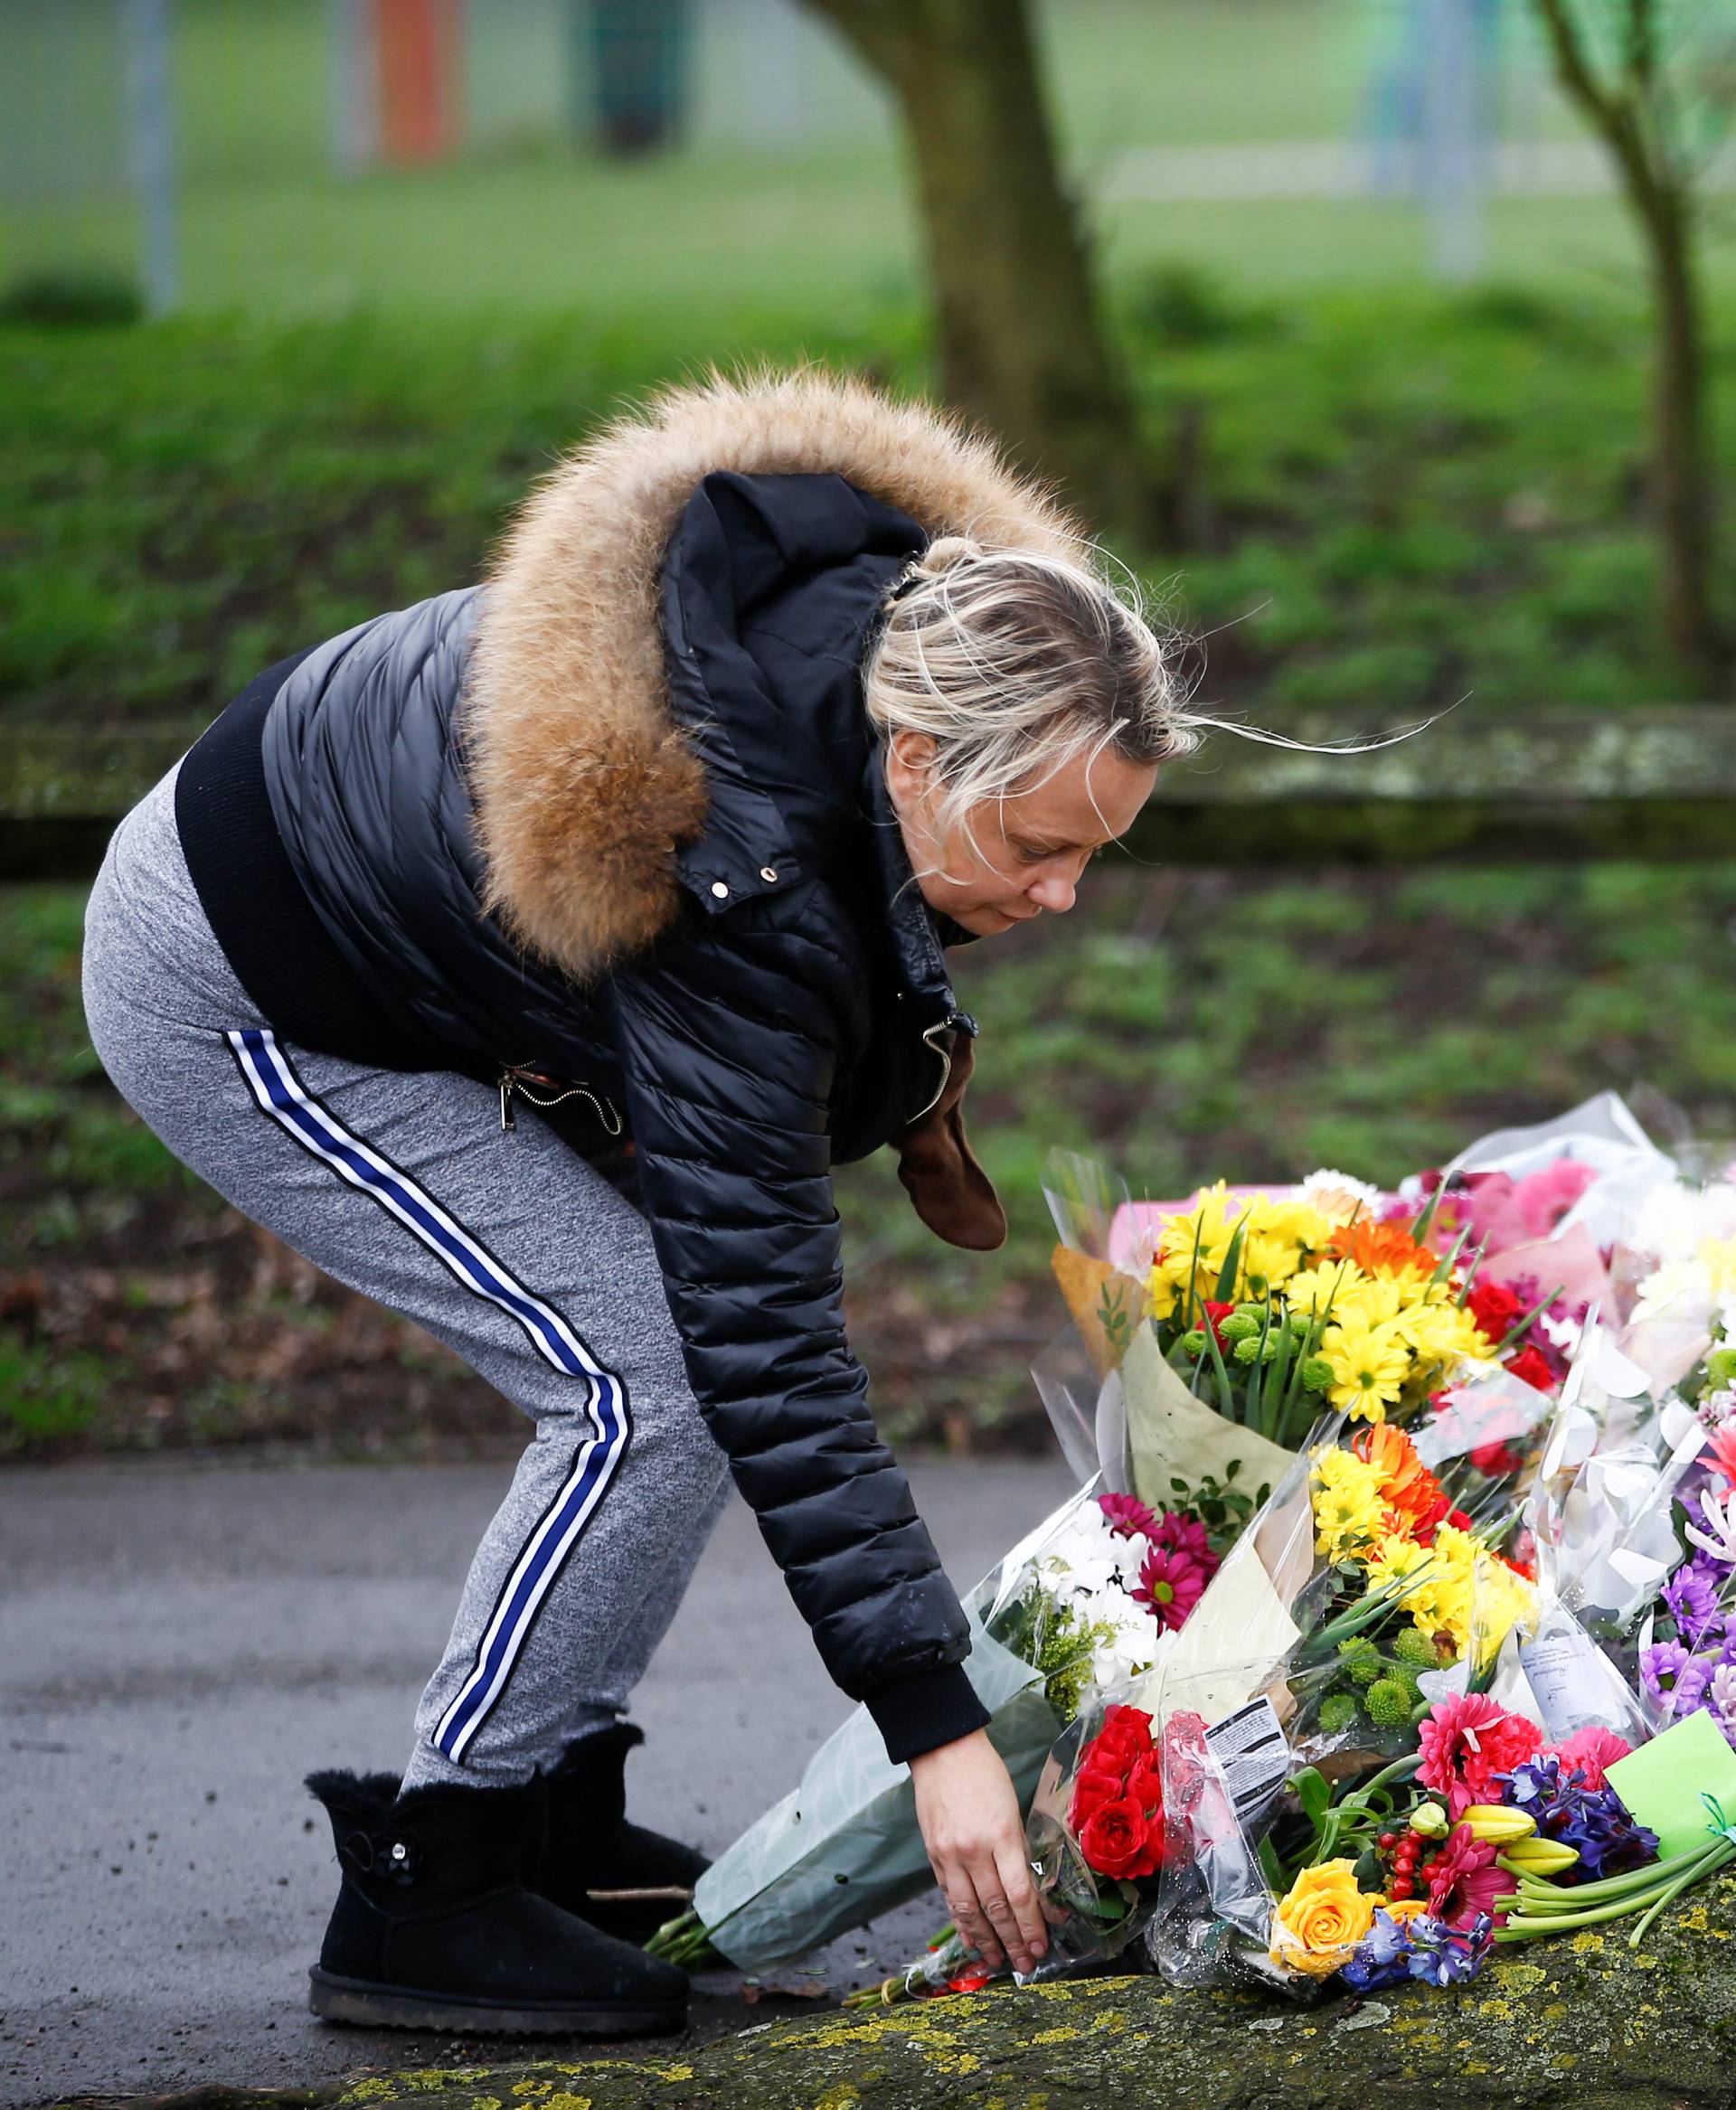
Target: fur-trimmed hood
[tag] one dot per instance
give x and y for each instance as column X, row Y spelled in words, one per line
column 582, row 782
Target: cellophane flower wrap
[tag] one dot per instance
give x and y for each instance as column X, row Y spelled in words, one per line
column 1306, row 1417
column 1058, row 1615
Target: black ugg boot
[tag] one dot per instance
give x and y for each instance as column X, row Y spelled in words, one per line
column 435, row 1929
column 619, row 1876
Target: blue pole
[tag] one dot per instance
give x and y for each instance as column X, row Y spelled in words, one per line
column 151, row 114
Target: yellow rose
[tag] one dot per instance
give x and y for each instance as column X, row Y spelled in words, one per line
column 1325, row 1916
column 1402, row 1909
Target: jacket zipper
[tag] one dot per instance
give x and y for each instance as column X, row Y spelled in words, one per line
column 513, row 1080
column 944, row 1025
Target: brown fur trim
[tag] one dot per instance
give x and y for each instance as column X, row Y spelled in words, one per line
column 582, row 782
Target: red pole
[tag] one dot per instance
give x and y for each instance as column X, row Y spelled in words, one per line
column 419, row 43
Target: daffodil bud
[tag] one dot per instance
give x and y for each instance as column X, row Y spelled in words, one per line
column 1497, row 1825
column 1539, row 1857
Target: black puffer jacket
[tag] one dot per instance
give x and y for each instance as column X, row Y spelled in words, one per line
column 617, row 819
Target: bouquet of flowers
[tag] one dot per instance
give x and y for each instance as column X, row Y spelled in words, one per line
column 1309, row 1414
column 1090, row 1598
column 1219, row 1330
column 1512, row 1812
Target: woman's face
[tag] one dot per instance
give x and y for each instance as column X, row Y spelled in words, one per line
column 1018, row 855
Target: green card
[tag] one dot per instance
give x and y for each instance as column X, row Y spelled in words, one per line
column 1662, row 1783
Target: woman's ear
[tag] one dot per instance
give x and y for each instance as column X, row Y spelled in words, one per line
column 910, row 762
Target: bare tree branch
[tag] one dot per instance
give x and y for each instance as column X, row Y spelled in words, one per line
column 1639, row 118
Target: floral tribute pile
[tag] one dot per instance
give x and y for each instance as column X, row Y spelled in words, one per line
column 1397, row 1618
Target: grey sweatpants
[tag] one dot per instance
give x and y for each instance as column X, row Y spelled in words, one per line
column 504, row 1245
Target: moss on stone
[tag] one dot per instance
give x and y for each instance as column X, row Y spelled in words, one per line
column 1575, row 2025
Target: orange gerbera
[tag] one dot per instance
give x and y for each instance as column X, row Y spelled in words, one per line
column 1410, row 1489
column 1382, row 1248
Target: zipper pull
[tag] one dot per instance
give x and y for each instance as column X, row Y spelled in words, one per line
column 508, row 1119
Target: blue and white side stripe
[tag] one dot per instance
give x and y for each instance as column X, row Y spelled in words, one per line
column 280, row 1092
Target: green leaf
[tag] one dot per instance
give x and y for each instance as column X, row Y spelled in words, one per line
column 1232, row 1264
column 1310, row 1789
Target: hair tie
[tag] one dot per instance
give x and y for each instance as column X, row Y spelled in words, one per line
column 911, row 578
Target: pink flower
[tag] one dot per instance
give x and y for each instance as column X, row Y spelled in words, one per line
column 1463, row 1880
column 1126, row 1516
column 1185, row 1534
column 1466, row 1739
column 1589, row 1751
column 1543, row 1198
column 1170, row 1585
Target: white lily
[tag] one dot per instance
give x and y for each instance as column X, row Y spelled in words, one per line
column 1719, row 1539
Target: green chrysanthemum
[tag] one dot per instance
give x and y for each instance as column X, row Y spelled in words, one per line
column 1389, row 1703
column 1338, row 1713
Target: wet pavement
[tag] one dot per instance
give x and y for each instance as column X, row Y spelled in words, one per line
column 181, row 1642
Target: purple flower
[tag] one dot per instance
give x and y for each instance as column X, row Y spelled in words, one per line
column 1422, row 1947
column 1609, row 1840
column 1442, row 1957
column 1660, row 1667
column 1720, row 1700
column 1676, row 1680
column 1692, row 1597
column 1382, row 1958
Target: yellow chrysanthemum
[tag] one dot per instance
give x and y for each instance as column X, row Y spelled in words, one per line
column 1394, row 1557
column 1441, row 1333
column 1502, row 1600
column 1325, row 1287
column 1204, row 1232
column 1166, row 1288
column 1349, row 1510
column 1369, row 1363
column 1457, row 1587
column 1277, row 1237
column 1718, row 1257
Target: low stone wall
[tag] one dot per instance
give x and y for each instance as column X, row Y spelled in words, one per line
column 1579, row 2024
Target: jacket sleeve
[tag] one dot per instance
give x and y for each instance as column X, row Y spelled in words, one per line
column 728, row 1037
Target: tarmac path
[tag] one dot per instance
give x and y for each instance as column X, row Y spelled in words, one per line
column 181, row 1641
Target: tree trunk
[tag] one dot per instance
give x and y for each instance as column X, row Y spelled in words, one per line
column 1630, row 114
column 1022, row 340
column 1680, row 490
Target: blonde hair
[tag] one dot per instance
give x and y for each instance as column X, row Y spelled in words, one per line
column 1015, row 662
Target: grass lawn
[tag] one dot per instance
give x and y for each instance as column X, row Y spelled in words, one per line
column 1182, row 1026
column 1405, row 497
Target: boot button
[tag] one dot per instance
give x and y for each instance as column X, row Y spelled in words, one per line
column 398, row 1850
column 719, row 891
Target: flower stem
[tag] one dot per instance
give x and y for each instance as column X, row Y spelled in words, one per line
column 1649, row 1897
column 1716, row 1859
column 1609, row 1886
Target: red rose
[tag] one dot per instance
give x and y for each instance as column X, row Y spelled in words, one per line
column 1496, row 1459
column 1120, row 1842
column 1531, row 1367
column 1495, row 1309
column 1146, row 1784
column 1125, row 1735
column 1216, row 1315
column 1096, row 1786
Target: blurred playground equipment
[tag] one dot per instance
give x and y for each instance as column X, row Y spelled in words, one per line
column 121, row 119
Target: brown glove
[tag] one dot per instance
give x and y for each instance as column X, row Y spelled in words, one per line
column 952, row 1194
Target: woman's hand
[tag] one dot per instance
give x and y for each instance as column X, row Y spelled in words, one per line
column 970, row 1815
